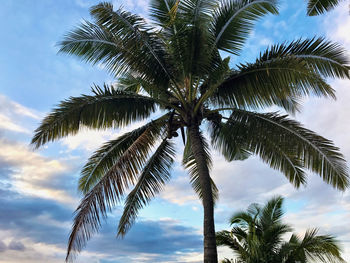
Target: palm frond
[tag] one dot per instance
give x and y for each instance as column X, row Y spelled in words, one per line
column 317, row 7
column 135, row 83
column 192, row 38
column 224, row 238
column 163, row 12
column 120, row 41
column 233, row 21
column 308, row 149
column 108, row 191
column 152, row 179
column 108, row 155
column 283, row 74
column 107, row 108
column 272, row 211
column 189, row 163
column 315, row 248
column 237, row 141
column 231, row 147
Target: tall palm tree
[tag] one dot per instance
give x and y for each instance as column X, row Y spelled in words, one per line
column 257, row 237
column 317, row 7
column 173, row 65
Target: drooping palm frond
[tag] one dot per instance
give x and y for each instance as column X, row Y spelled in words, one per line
column 317, row 7
column 106, row 157
column 233, row 21
column 231, row 145
column 283, row 74
column 237, row 141
column 151, row 181
column 225, row 238
column 307, row 149
column 322, row 56
column 108, row 191
column 107, row 108
column 189, row 163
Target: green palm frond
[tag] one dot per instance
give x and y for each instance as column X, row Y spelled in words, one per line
column 108, row 155
column 224, row 238
column 311, row 150
column 152, row 179
column 322, row 56
column 135, row 83
column 108, row 191
column 283, row 74
column 314, row 248
column 317, row 7
column 120, row 41
column 272, row 211
column 192, row 38
column 234, row 20
column 231, row 145
column 107, row 108
column 189, row 163
column 163, row 12
column 237, row 141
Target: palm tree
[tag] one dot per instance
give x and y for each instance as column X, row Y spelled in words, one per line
column 317, row 7
column 173, row 66
column 257, row 237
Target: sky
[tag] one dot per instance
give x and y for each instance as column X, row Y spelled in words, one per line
column 38, row 189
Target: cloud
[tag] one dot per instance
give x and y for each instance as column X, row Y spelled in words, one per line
column 16, row 245
column 43, row 230
column 3, row 246
column 337, row 24
column 89, row 140
column 31, row 174
column 179, row 191
column 13, row 116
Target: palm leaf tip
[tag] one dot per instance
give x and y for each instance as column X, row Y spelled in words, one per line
column 318, row 7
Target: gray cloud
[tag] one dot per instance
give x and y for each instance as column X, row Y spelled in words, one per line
column 16, row 245
column 3, row 246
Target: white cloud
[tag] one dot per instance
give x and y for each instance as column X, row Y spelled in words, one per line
column 13, row 115
column 90, row 140
column 31, row 172
column 337, row 24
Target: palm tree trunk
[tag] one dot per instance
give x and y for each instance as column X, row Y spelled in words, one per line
column 210, row 252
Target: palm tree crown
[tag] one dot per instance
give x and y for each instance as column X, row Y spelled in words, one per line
column 173, row 65
column 257, row 236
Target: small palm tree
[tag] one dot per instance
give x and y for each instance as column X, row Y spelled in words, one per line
column 174, row 66
column 317, row 7
column 257, row 237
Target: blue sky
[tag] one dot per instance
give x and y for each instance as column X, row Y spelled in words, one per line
column 38, row 188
